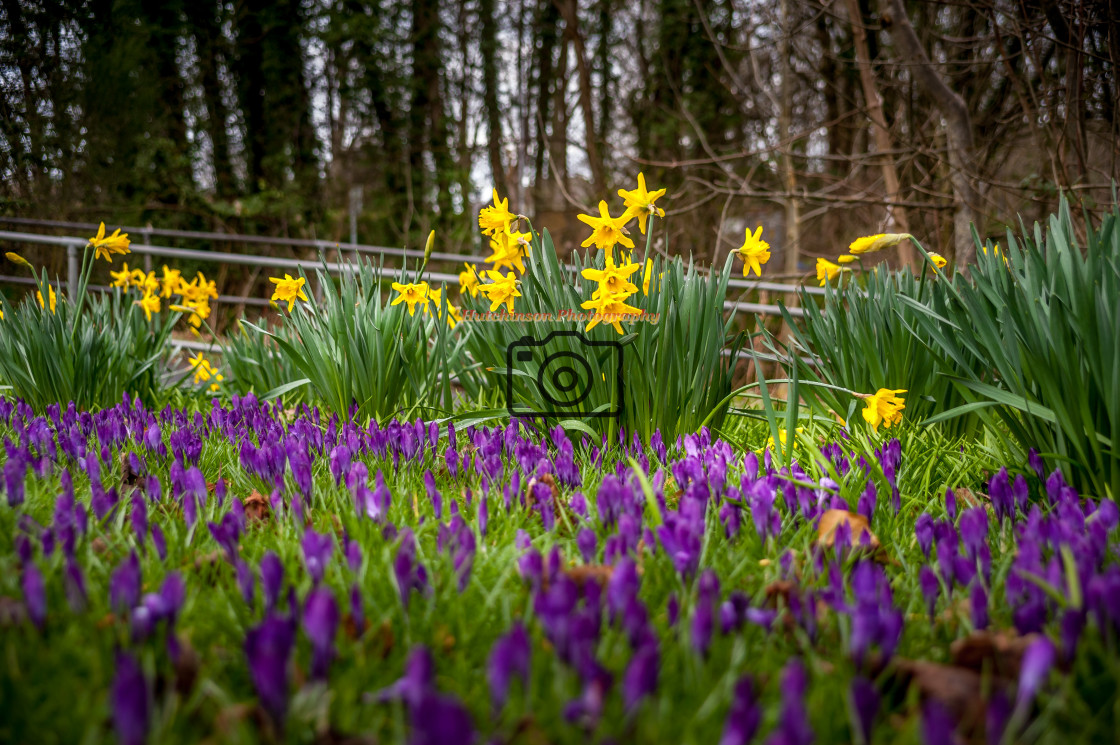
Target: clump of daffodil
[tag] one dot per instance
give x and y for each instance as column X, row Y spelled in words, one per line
column 412, row 294
column 607, row 231
column 149, row 304
column 53, row 298
column 105, row 246
column 872, row 243
column 883, row 407
column 500, row 290
column 640, row 203
column 468, row 281
column 754, row 252
column 288, row 290
column 496, row 217
column 827, row 271
column 609, row 308
column 937, row 260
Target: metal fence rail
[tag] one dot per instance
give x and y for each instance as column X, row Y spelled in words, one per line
column 148, row 232
column 74, row 245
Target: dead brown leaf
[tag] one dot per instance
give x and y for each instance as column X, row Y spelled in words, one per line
column 833, row 519
column 581, row 574
column 998, row 652
column 12, row 612
column 958, row 689
column 257, row 507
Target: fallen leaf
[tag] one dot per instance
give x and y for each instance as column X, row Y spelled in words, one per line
column 833, row 519
column 998, row 652
column 958, row 689
column 12, row 612
column 583, row 573
column 257, row 507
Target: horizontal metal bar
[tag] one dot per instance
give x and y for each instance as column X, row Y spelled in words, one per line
column 361, row 248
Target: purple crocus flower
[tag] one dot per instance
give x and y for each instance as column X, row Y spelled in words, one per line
column 1037, row 661
column 129, row 700
column 978, row 602
column 433, row 494
column 997, row 717
column 509, row 657
column 75, row 586
column 744, row 716
column 320, row 623
column 931, row 588
column 865, row 705
column 317, row 549
column 419, row 672
column 640, row 678
column 268, row 648
column 938, row 727
column 923, row 530
column 272, row 579
column 357, row 609
column 586, row 542
column 440, row 720
column 703, row 614
column 951, row 504
column 159, row 541
column 34, row 594
column 139, row 518
column 124, row 584
column 246, row 580
column 793, row 722
column 673, row 609
column 340, row 463
column 410, row 574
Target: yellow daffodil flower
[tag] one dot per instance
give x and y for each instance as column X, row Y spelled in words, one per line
column 288, row 290
column 435, row 300
column 150, row 283
column 54, row 298
column 149, row 304
column 468, row 281
column 202, row 368
column 172, row 278
column 501, row 289
column 755, row 252
column 123, row 278
column 872, row 243
column 883, row 407
column 646, row 276
column 997, row 252
column 454, row 316
column 497, row 217
column 507, row 252
column 937, row 260
column 613, row 279
column 105, row 246
column 781, row 438
column 606, row 231
column 640, row 203
column 608, row 309
column 826, row 271
column 411, row 294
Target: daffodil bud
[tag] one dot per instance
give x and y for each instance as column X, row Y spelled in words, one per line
column 17, row 259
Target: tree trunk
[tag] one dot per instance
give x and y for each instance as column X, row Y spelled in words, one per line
column 488, row 45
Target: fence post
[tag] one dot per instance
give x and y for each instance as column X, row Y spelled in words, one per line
column 72, row 268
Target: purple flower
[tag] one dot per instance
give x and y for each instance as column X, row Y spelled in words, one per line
column 159, row 541
column 433, row 494
column 938, row 727
column 357, row 610
column 640, row 678
column 793, row 722
column 509, row 657
column 865, row 705
column 34, row 594
column 999, row 492
column 340, row 463
column 1037, row 661
column 440, row 720
column 124, row 584
column 673, row 609
column 586, row 542
column 744, row 716
column 272, row 579
column 703, row 614
column 923, row 529
column 997, row 717
column 410, row 574
column 419, row 672
column 951, row 504
column 320, row 622
column 978, row 602
column 129, row 699
column 75, row 586
column 931, row 588
column 268, row 648
column 246, row 580
column 317, row 549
